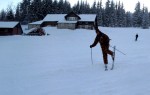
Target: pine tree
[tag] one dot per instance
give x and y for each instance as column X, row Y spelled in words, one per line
column 76, row 8
column 107, row 14
column 60, row 7
column 55, row 7
column 129, row 21
column 10, row 14
column 137, row 16
column 47, row 7
column 24, row 10
column 145, row 19
column 81, row 7
column 17, row 14
column 2, row 15
column 113, row 16
column 66, row 7
column 121, row 20
column 99, row 13
column 36, row 11
column 86, row 8
column 93, row 8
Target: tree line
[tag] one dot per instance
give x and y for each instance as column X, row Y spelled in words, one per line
column 112, row 15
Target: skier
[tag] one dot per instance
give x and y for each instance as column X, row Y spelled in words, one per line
column 103, row 39
column 136, row 37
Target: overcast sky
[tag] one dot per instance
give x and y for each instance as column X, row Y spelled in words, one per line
column 129, row 5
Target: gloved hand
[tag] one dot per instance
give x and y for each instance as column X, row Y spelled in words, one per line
column 91, row 46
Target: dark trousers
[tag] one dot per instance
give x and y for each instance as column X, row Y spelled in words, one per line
column 105, row 51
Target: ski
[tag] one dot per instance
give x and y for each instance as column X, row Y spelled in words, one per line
column 113, row 58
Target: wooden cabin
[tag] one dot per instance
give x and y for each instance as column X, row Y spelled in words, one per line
column 10, row 28
column 69, row 21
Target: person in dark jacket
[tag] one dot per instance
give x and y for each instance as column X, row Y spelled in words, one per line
column 103, row 39
column 136, row 37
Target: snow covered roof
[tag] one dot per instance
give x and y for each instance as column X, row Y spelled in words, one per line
column 61, row 18
column 8, row 24
column 87, row 17
column 55, row 17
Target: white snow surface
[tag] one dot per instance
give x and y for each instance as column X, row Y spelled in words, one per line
column 60, row 64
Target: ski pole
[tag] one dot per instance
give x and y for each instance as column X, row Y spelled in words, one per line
column 118, row 50
column 91, row 56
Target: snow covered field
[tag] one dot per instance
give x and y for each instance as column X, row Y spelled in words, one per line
column 60, row 64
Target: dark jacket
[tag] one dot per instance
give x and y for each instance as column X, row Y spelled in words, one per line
column 102, row 38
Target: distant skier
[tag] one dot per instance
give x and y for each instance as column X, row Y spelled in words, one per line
column 103, row 39
column 136, row 37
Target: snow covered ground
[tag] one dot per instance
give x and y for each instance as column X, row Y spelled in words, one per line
column 60, row 64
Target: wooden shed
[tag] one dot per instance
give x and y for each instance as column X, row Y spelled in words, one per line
column 10, row 28
column 36, row 24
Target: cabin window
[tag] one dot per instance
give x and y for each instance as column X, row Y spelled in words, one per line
column 72, row 18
